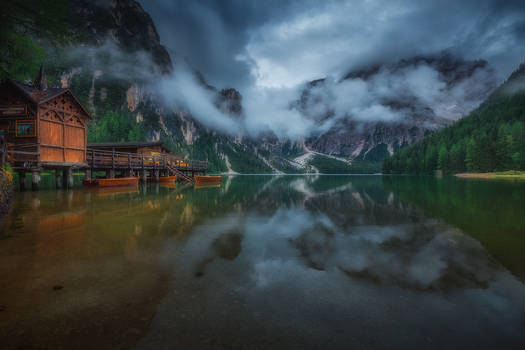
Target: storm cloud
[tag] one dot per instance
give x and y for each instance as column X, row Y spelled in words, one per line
column 284, row 43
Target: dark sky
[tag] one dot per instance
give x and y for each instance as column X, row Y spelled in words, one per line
column 280, row 43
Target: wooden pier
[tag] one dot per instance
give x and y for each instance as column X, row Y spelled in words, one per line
column 145, row 166
column 46, row 129
column 114, row 164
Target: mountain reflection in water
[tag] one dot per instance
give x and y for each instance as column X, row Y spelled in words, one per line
column 268, row 262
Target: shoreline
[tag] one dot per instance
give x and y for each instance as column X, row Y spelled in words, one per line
column 490, row 176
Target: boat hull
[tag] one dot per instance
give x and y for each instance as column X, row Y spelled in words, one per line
column 205, row 180
column 117, row 182
column 164, row 179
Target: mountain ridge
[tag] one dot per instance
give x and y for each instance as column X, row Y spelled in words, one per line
column 126, row 108
column 491, row 138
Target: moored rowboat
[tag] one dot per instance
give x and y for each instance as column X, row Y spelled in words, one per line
column 164, row 179
column 120, row 181
column 200, row 179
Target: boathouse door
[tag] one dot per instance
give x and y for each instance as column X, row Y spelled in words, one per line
column 62, row 132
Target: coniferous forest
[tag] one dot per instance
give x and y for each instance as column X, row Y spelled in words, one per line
column 491, row 138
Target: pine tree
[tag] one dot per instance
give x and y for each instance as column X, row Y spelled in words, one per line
column 469, row 157
column 442, row 163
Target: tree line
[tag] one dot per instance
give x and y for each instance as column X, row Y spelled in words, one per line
column 491, row 138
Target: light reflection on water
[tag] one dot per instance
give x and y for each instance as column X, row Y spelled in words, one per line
column 266, row 262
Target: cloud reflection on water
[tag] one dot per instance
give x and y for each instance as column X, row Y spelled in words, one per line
column 413, row 251
column 316, row 262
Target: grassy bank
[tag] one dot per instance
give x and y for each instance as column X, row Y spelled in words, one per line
column 494, row 175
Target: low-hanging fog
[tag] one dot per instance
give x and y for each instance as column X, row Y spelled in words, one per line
column 287, row 111
column 270, row 51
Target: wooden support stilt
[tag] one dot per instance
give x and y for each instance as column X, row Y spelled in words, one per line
column 67, row 178
column 88, row 174
column 157, row 175
column 70, row 178
column 58, row 180
column 144, row 176
column 35, row 180
column 22, row 180
column 64, row 178
column 110, row 174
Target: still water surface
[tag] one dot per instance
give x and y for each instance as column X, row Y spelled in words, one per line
column 267, row 262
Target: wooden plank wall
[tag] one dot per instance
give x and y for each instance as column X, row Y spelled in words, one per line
column 62, row 131
column 10, row 96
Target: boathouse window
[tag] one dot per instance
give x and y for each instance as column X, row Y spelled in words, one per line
column 25, row 128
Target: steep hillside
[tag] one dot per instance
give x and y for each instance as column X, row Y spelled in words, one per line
column 491, row 138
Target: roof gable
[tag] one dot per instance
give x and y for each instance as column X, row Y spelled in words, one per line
column 41, row 96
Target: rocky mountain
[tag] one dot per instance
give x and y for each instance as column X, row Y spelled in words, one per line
column 125, row 22
column 491, row 138
column 119, row 53
column 461, row 85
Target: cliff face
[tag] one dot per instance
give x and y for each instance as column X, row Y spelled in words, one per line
column 229, row 101
column 125, row 22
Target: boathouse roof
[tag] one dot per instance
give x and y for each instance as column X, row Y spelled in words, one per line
column 131, row 144
column 34, row 94
column 40, row 93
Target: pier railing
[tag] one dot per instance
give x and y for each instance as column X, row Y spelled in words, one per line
column 98, row 159
column 105, row 160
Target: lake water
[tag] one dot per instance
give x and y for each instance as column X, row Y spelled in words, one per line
column 268, row 262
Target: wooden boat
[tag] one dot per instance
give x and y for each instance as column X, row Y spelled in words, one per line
column 207, row 185
column 120, row 181
column 204, row 180
column 168, row 179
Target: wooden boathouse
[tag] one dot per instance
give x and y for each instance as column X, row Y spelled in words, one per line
column 46, row 129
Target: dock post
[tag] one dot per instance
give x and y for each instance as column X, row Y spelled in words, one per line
column 35, row 180
column 111, row 174
column 157, row 175
column 58, row 180
column 22, row 180
column 144, row 176
column 88, row 174
column 67, row 178
column 70, row 178
column 64, row 178
column 130, row 169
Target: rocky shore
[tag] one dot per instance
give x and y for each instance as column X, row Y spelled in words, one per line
column 6, row 191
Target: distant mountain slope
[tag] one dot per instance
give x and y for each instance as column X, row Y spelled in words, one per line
column 491, row 138
column 413, row 97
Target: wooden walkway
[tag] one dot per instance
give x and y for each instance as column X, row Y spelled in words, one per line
column 113, row 163
column 131, row 163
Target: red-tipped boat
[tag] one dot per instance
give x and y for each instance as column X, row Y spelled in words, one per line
column 119, row 181
column 207, row 180
column 164, row 179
